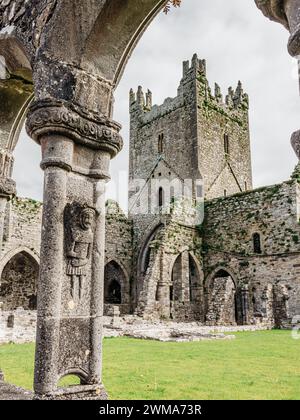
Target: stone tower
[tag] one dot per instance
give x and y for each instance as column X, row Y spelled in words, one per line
column 196, row 139
column 197, row 134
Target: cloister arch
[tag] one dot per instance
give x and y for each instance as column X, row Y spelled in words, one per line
column 116, row 287
column 186, row 286
column 78, row 56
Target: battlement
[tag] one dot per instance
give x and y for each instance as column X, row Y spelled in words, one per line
column 144, row 101
column 194, row 71
column 196, row 66
column 235, row 98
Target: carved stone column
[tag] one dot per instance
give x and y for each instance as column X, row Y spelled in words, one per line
column 76, row 151
column 286, row 12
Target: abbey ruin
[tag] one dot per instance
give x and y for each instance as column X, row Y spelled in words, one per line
column 239, row 264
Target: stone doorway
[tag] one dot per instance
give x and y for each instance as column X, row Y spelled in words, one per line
column 222, row 300
column 116, row 289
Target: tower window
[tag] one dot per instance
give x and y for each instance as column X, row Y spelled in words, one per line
column 226, row 144
column 257, row 243
column 160, row 143
column 160, row 197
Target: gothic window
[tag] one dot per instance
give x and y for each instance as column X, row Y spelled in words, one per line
column 257, row 243
column 226, row 144
column 160, row 144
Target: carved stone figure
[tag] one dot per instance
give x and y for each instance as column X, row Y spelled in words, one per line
column 79, row 223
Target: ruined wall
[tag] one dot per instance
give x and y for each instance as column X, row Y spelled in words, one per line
column 19, row 263
column 118, row 249
column 17, row 326
column 272, row 276
column 22, row 227
column 175, row 239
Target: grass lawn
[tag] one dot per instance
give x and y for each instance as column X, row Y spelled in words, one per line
column 256, row 365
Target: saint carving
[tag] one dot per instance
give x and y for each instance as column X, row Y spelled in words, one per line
column 79, row 225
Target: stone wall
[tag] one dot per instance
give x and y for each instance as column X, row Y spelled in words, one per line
column 118, row 256
column 17, row 326
column 272, row 276
column 19, row 263
column 22, row 227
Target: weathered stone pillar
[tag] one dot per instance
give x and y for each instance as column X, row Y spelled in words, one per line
column 76, row 151
column 163, row 289
column 245, row 304
column 7, row 190
column 286, row 12
column 185, row 276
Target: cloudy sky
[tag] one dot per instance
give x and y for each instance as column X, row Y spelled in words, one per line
column 238, row 44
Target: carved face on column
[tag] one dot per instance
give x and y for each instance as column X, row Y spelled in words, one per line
column 87, row 218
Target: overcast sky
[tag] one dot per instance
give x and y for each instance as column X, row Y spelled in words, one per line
column 238, row 44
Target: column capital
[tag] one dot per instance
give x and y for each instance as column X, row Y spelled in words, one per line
column 84, row 127
column 7, row 187
column 274, row 10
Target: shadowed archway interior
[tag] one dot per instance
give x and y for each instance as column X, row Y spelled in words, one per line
column 18, row 283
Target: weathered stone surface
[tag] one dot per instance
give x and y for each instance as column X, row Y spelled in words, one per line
column 287, row 13
column 23, row 329
column 13, row 393
column 75, row 53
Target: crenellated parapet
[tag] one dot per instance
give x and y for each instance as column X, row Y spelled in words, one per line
column 235, row 102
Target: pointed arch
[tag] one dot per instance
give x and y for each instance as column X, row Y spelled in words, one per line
column 116, row 284
column 221, row 291
column 19, row 277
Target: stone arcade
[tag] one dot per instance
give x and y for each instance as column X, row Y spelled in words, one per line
column 240, row 269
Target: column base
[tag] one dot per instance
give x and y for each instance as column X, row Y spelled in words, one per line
column 80, row 392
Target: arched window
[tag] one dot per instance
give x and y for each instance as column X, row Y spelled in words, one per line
column 226, row 144
column 257, row 243
column 160, row 144
column 161, row 198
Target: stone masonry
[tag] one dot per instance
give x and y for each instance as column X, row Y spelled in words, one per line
column 238, row 265
column 73, row 63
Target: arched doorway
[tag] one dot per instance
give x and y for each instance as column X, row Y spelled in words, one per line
column 221, row 299
column 19, row 282
column 116, row 288
column 186, row 288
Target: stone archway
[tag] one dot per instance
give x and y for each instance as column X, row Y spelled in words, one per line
column 221, row 294
column 18, row 286
column 186, row 288
column 78, row 51
column 116, row 289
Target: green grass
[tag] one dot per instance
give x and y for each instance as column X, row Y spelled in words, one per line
column 256, row 365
